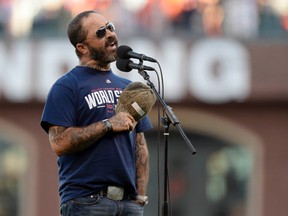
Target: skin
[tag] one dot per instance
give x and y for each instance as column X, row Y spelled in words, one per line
column 74, row 139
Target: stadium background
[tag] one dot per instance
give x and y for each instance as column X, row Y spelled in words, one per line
column 225, row 73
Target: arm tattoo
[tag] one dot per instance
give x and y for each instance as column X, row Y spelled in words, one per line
column 142, row 164
column 73, row 139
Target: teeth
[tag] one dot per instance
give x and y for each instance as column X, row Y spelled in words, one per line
column 111, row 44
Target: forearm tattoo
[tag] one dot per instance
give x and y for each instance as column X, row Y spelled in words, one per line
column 142, row 164
column 73, row 139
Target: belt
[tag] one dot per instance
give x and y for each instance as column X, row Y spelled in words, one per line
column 116, row 193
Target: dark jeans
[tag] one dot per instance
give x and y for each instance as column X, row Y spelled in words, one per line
column 97, row 205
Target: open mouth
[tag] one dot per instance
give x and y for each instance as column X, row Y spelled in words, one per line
column 112, row 44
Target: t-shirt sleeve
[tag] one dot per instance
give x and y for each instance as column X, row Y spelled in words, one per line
column 59, row 108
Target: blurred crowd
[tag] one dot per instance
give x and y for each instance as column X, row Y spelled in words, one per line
column 243, row 19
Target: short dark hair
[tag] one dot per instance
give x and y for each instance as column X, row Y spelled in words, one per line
column 75, row 31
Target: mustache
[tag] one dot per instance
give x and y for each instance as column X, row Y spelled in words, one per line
column 111, row 40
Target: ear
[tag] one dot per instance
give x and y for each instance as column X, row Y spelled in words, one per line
column 82, row 48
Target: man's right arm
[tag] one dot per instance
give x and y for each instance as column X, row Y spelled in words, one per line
column 74, row 139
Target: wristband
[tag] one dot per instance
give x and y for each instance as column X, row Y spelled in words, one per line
column 108, row 125
column 143, row 199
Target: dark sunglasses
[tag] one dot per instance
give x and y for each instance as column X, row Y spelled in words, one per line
column 101, row 32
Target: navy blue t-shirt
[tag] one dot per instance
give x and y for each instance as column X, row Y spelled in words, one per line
column 81, row 97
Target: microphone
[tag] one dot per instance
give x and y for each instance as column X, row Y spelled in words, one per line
column 126, row 52
column 127, row 65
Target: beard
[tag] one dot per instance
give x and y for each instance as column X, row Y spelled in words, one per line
column 101, row 55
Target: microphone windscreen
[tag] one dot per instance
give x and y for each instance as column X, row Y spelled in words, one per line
column 123, row 65
column 122, row 51
column 137, row 99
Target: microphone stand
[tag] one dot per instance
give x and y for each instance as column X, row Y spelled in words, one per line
column 170, row 118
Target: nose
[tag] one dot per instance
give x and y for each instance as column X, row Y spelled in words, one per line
column 110, row 33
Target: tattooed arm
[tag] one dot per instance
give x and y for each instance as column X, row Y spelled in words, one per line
column 73, row 139
column 142, row 164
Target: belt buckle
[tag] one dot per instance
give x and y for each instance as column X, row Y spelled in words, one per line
column 115, row 193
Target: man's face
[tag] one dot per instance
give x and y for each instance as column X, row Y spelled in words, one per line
column 102, row 47
column 104, row 54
